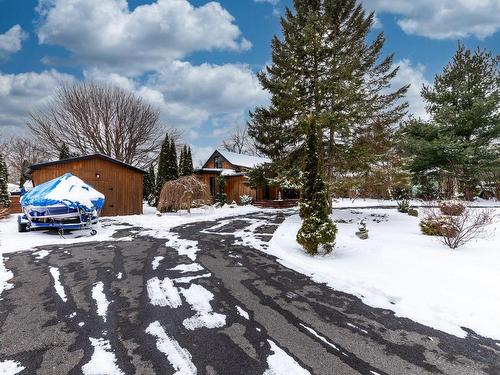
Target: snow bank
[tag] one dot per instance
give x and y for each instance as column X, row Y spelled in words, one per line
column 5, row 275
column 400, row 269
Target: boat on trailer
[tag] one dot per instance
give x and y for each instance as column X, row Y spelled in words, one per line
column 64, row 203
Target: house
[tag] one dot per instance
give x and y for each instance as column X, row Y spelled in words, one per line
column 121, row 183
column 234, row 167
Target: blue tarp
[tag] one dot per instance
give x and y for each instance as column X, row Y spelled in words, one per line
column 68, row 190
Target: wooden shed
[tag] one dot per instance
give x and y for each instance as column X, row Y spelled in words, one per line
column 121, row 183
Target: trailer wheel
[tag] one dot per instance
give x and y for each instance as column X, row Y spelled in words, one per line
column 22, row 227
column 93, row 232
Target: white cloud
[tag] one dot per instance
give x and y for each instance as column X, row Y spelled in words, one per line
column 413, row 75
column 443, row 19
column 192, row 95
column 108, row 35
column 273, row 2
column 11, row 41
column 24, row 92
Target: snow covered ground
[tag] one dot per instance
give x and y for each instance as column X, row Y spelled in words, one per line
column 400, row 269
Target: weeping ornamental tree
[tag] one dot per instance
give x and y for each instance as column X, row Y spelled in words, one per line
column 318, row 229
column 326, row 65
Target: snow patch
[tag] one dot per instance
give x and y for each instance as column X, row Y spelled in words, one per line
column 184, row 247
column 10, row 367
column 100, row 299
column 320, row 337
column 119, row 276
column 163, row 293
column 179, row 357
column 156, row 262
column 183, row 268
column 281, row 363
column 54, row 271
column 103, row 360
column 188, row 279
column 5, row 275
column 199, row 298
column 243, row 313
column 41, row 254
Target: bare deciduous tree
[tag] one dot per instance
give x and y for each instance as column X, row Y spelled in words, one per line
column 21, row 153
column 239, row 142
column 98, row 118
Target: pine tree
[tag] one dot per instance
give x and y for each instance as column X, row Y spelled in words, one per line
column 325, row 65
column 64, row 152
column 460, row 142
column 4, row 179
column 317, row 228
column 172, row 169
column 189, row 162
column 149, row 185
column 186, row 162
column 162, row 173
column 182, row 160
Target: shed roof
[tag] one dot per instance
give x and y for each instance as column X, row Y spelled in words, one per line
column 86, row 157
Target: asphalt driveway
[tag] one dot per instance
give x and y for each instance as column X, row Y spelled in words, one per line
column 205, row 302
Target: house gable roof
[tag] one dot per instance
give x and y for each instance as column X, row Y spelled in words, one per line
column 239, row 160
column 86, row 157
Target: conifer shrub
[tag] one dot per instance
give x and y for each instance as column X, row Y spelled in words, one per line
column 317, row 230
column 4, row 179
column 220, row 197
column 413, row 212
column 404, row 206
column 246, row 199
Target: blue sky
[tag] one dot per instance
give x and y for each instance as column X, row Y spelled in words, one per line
column 196, row 60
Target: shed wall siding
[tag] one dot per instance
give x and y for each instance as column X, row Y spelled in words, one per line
column 121, row 186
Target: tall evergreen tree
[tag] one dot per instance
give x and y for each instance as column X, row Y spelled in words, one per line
column 317, row 229
column 64, row 152
column 172, row 168
column 460, row 141
column 186, row 162
column 182, row 160
column 4, row 179
column 162, row 173
column 149, row 185
column 325, row 65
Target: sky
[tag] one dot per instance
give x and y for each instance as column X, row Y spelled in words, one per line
column 197, row 60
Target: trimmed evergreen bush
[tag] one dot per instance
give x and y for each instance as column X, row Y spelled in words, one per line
column 317, row 230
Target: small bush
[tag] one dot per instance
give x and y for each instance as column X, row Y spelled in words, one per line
column 404, row 206
column 452, row 208
column 246, row 199
column 433, row 225
column 413, row 212
column 457, row 230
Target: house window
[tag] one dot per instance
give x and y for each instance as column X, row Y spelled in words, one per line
column 217, row 162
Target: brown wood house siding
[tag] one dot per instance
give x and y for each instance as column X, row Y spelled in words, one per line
column 121, row 186
column 14, row 207
column 234, row 188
